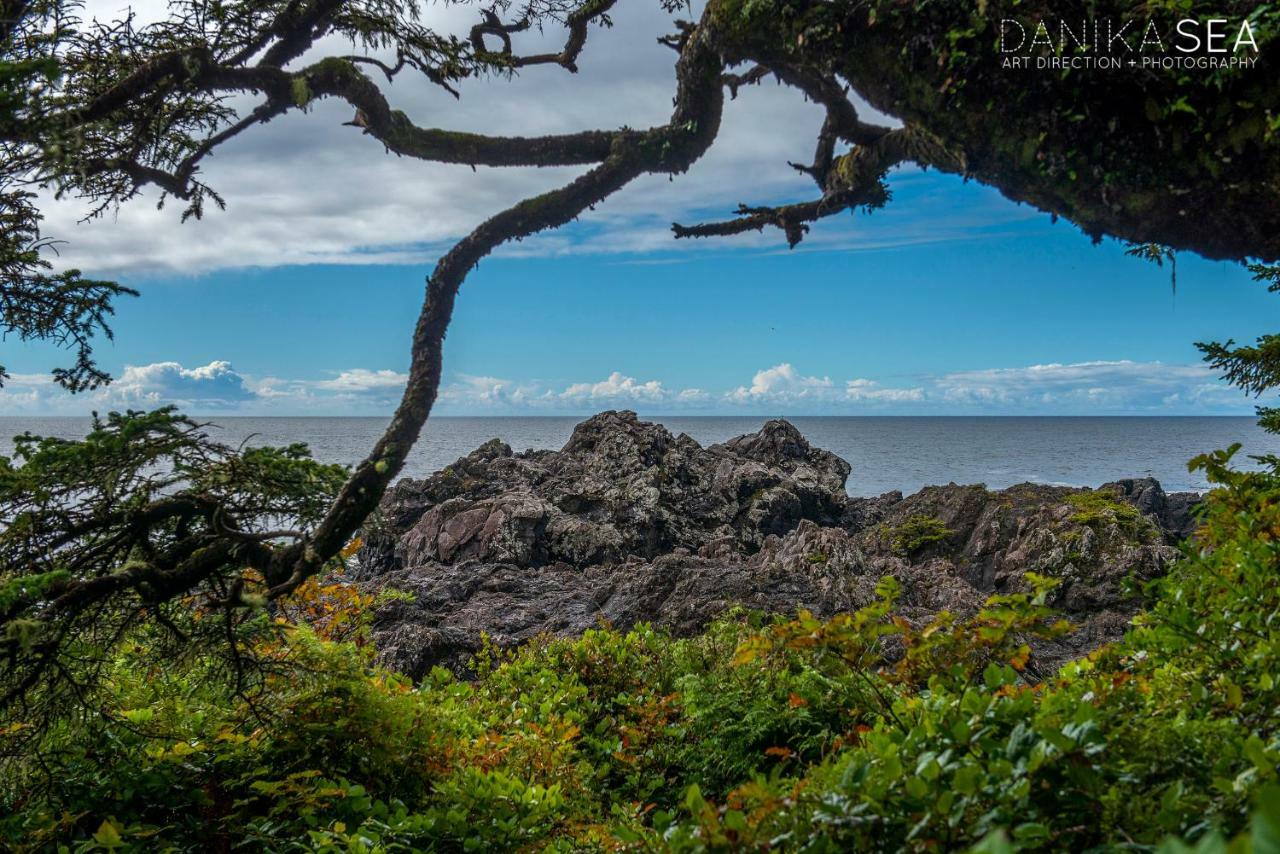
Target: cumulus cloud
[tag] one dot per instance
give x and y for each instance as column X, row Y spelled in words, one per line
column 783, row 386
column 216, row 384
column 468, row 392
column 356, row 391
column 870, row 390
column 1083, row 388
column 362, row 380
column 617, row 390
column 28, row 393
column 692, row 396
column 617, row 387
column 782, row 383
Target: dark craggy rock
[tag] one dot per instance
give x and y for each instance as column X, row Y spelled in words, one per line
column 620, row 488
column 630, row 524
column 1174, row 512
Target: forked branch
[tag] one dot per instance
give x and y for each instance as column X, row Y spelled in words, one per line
column 850, row 181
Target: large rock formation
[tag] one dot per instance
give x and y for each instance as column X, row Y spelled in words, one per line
column 620, row 488
column 629, row 524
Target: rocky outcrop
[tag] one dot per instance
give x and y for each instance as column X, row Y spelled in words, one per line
column 620, row 488
column 1174, row 512
column 628, row 523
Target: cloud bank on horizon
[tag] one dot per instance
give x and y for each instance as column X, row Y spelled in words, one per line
column 1085, row 388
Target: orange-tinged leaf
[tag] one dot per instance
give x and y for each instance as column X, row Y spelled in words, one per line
column 795, row 701
column 351, row 549
column 1020, row 658
column 748, row 651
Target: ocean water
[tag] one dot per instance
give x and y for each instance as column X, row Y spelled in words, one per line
column 886, row 453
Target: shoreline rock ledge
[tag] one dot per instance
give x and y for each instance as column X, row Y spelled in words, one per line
column 628, row 523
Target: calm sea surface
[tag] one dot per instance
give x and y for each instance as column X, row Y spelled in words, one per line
column 886, row 453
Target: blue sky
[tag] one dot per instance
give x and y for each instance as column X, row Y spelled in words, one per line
column 300, row 297
column 1009, row 314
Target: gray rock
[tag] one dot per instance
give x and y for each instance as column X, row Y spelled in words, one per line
column 619, row 488
column 629, row 524
column 1174, row 511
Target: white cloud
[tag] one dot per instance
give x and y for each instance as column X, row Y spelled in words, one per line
column 351, row 392
column 489, row 393
column 359, row 380
column 1098, row 387
column 333, row 195
column 216, row 384
column 782, row 383
column 1094, row 386
column 870, row 390
column 26, row 393
column 617, row 387
column 493, row 394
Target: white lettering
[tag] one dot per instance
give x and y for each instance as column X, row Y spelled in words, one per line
column 1004, row 22
column 1212, row 36
column 1245, row 29
column 1190, row 34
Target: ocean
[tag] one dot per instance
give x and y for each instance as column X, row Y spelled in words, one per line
column 886, row 453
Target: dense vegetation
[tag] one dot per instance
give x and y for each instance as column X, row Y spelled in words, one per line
column 860, row 733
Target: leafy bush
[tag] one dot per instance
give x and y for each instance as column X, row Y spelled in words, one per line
column 1094, row 507
column 916, row 532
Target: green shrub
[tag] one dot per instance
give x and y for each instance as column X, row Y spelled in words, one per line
column 916, row 532
column 1095, row 507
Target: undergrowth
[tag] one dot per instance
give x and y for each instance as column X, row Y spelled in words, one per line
column 865, row 732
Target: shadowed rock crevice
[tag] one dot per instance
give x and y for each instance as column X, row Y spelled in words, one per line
column 628, row 523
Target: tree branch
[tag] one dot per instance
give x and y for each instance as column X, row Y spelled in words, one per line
column 695, row 121
column 850, row 181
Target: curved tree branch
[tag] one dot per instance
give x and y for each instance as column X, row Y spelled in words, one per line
column 216, row 556
column 850, row 181
column 671, row 148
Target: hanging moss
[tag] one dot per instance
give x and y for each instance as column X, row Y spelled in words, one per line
column 301, row 91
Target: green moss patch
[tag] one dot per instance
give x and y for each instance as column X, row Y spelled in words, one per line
column 916, row 532
column 1094, row 508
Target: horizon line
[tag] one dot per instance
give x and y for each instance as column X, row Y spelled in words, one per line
column 198, row 415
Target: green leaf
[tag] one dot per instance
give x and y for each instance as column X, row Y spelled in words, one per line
column 108, row 835
column 1031, row 832
column 1265, row 832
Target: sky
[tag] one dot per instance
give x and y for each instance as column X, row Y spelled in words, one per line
column 299, row 298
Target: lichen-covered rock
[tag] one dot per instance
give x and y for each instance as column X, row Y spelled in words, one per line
column 1100, row 544
column 619, row 488
column 629, row 524
column 1174, row 512
column 1092, row 540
